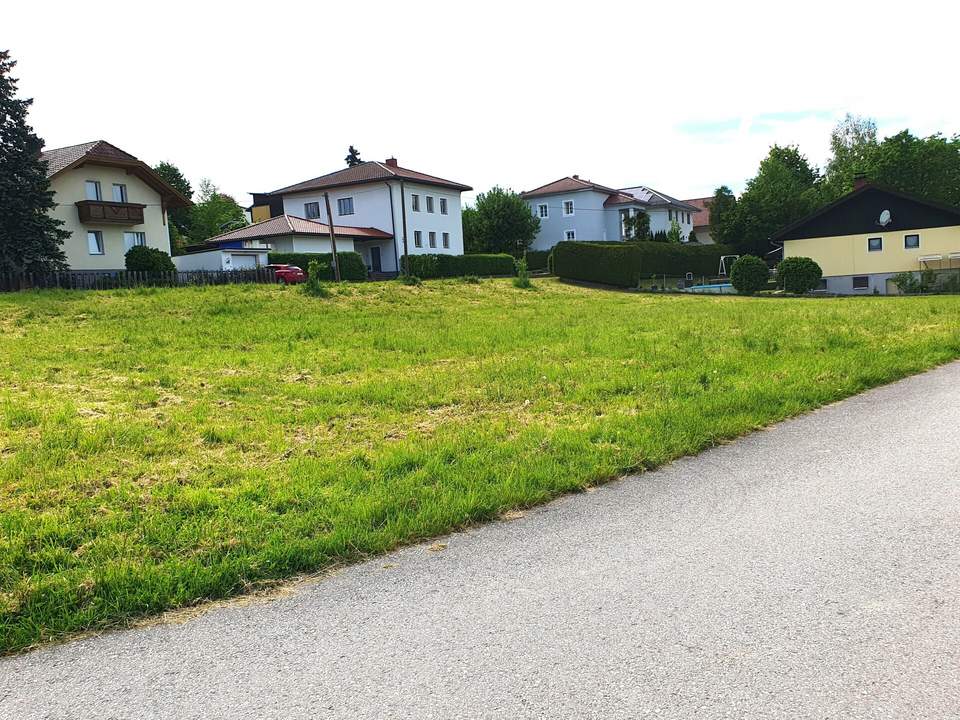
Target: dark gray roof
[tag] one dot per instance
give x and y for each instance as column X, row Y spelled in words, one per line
column 652, row 197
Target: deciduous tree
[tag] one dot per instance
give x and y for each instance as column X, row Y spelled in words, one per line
column 214, row 213
column 502, row 223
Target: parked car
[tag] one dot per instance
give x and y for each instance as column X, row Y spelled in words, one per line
column 288, row 274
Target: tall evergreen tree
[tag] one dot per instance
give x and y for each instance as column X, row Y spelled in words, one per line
column 30, row 238
column 353, row 157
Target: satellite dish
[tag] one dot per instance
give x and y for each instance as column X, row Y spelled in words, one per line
column 885, row 218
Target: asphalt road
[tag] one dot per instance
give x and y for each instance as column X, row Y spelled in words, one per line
column 807, row 571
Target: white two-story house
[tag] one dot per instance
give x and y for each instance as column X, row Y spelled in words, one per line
column 575, row 209
column 385, row 210
column 108, row 201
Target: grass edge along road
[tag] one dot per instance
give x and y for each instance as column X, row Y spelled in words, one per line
column 165, row 447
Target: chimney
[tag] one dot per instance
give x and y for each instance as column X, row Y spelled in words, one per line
column 860, row 181
column 392, row 161
column 576, row 177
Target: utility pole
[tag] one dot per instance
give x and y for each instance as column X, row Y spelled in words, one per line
column 333, row 238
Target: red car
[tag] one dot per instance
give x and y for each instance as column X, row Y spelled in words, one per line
column 288, row 274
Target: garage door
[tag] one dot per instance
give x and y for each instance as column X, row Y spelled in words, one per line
column 243, row 262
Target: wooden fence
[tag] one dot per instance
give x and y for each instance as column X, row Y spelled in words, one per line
column 106, row 280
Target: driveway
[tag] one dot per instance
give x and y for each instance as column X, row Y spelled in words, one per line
column 808, row 571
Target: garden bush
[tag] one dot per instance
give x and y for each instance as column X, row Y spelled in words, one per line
column 141, row 258
column 352, row 266
column 798, row 275
column 537, row 259
column 749, row 274
column 623, row 264
column 439, row 266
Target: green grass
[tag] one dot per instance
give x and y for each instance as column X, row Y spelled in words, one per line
column 162, row 447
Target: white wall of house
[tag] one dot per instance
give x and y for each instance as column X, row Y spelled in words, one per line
column 588, row 220
column 660, row 219
column 69, row 187
column 220, row 259
column 372, row 208
column 703, row 235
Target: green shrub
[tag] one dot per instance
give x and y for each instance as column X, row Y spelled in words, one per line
column 352, row 266
column 749, row 274
column 408, row 279
column 438, row 265
column 624, row 264
column 522, row 280
column 798, row 275
column 910, row 283
column 537, row 259
column 314, row 286
column 141, row 258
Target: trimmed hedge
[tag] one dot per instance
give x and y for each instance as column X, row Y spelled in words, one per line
column 352, row 266
column 537, row 259
column 625, row 263
column 441, row 266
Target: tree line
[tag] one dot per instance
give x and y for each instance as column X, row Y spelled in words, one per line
column 787, row 187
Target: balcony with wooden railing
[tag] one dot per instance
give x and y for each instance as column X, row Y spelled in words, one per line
column 95, row 212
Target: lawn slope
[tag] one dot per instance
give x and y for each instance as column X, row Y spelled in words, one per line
column 162, row 447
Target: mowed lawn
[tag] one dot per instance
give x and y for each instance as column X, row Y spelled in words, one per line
column 162, row 447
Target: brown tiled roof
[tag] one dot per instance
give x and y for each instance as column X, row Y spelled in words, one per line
column 701, row 218
column 567, row 184
column 620, row 198
column 368, row 172
column 293, row 225
column 100, row 151
column 60, row 158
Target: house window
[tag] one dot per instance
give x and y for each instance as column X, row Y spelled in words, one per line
column 911, row 242
column 429, row 203
column 669, row 214
column 345, row 206
column 568, row 208
column 446, row 240
column 93, row 190
column 861, row 282
column 443, row 206
column 95, row 242
column 570, row 235
column 311, row 210
column 433, row 239
column 417, row 238
column 415, row 203
column 543, row 211
column 119, row 193
column 130, row 239
column 874, row 244
column 624, row 216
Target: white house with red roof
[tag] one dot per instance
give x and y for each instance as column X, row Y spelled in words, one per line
column 399, row 210
column 574, row 209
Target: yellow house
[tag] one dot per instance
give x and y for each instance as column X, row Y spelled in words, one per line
column 871, row 234
column 108, row 201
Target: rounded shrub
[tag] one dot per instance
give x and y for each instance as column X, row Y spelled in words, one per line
column 749, row 274
column 798, row 274
column 141, row 258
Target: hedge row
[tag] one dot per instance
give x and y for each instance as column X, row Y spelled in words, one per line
column 537, row 259
column 625, row 263
column 352, row 266
column 439, row 266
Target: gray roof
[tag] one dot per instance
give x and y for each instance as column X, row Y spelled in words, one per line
column 652, row 197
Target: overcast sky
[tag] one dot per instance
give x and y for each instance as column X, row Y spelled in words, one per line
column 680, row 96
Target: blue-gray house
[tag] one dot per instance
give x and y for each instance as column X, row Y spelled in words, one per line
column 575, row 209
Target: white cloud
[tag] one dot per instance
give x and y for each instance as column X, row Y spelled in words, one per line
column 258, row 96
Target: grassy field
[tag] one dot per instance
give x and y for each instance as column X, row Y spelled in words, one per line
column 162, row 447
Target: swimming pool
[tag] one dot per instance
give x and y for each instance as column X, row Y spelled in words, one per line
column 718, row 289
